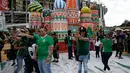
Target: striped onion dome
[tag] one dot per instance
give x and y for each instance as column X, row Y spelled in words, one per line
column 59, row 4
column 35, row 7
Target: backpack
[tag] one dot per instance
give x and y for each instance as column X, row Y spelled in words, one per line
column 11, row 54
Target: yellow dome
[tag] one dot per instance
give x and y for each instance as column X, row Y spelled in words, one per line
column 85, row 9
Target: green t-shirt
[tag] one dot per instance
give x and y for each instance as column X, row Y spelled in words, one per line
column 69, row 40
column 43, row 45
column 55, row 41
column 107, row 45
column 83, row 47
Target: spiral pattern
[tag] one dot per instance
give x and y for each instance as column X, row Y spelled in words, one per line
column 35, row 7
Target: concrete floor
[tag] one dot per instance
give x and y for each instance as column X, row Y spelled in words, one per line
column 71, row 66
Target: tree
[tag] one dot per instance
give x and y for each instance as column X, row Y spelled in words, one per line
column 89, row 31
column 125, row 23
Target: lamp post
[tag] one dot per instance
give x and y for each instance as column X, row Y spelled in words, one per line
column 26, row 10
column 12, row 11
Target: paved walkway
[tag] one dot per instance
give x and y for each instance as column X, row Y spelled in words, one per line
column 71, row 66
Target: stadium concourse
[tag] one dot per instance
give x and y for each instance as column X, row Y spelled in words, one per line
column 71, row 66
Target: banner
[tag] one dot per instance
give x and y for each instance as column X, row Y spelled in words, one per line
column 3, row 5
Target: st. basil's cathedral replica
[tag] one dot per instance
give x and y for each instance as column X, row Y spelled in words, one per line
column 59, row 19
column 64, row 16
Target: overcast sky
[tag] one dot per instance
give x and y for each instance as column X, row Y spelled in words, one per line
column 118, row 11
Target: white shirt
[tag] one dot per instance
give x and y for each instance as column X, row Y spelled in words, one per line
column 97, row 43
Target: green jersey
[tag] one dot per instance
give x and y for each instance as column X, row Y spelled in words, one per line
column 107, row 45
column 83, row 47
column 43, row 44
column 69, row 40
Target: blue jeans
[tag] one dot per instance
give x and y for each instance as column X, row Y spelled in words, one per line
column 70, row 55
column 44, row 67
column 83, row 59
column 19, row 63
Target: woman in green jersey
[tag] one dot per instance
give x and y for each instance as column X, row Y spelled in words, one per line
column 107, row 50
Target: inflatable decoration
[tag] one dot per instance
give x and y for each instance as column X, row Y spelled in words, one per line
column 35, row 20
column 47, row 19
column 35, row 7
column 86, row 21
column 59, row 19
column 85, row 17
column 59, row 4
column 95, row 16
column 72, row 12
column 85, row 9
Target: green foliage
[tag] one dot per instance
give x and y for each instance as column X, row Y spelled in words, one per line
column 89, row 31
column 125, row 23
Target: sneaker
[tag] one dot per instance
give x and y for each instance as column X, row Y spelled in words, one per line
column 116, row 56
column 54, row 61
column 71, row 58
column 13, row 64
column 120, row 58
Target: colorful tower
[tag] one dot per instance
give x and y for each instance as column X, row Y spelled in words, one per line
column 72, row 11
column 72, row 15
column 47, row 19
column 95, row 16
column 85, row 17
column 59, row 22
column 35, row 18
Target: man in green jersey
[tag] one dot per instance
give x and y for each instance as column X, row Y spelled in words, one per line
column 44, row 51
column 68, row 41
column 56, row 48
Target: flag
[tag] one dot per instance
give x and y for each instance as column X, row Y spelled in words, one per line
column 89, row 31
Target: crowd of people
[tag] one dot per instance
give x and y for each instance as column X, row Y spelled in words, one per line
column 37, row 48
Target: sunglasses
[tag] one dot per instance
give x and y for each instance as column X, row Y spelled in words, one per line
column 41, row 30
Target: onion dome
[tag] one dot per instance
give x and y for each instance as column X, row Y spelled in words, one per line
column 85, row 9
column 95, row 7
column 59, row 4
column 46, row 13
column 35, row 7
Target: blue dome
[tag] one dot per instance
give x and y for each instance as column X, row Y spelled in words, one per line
column 59, row 4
